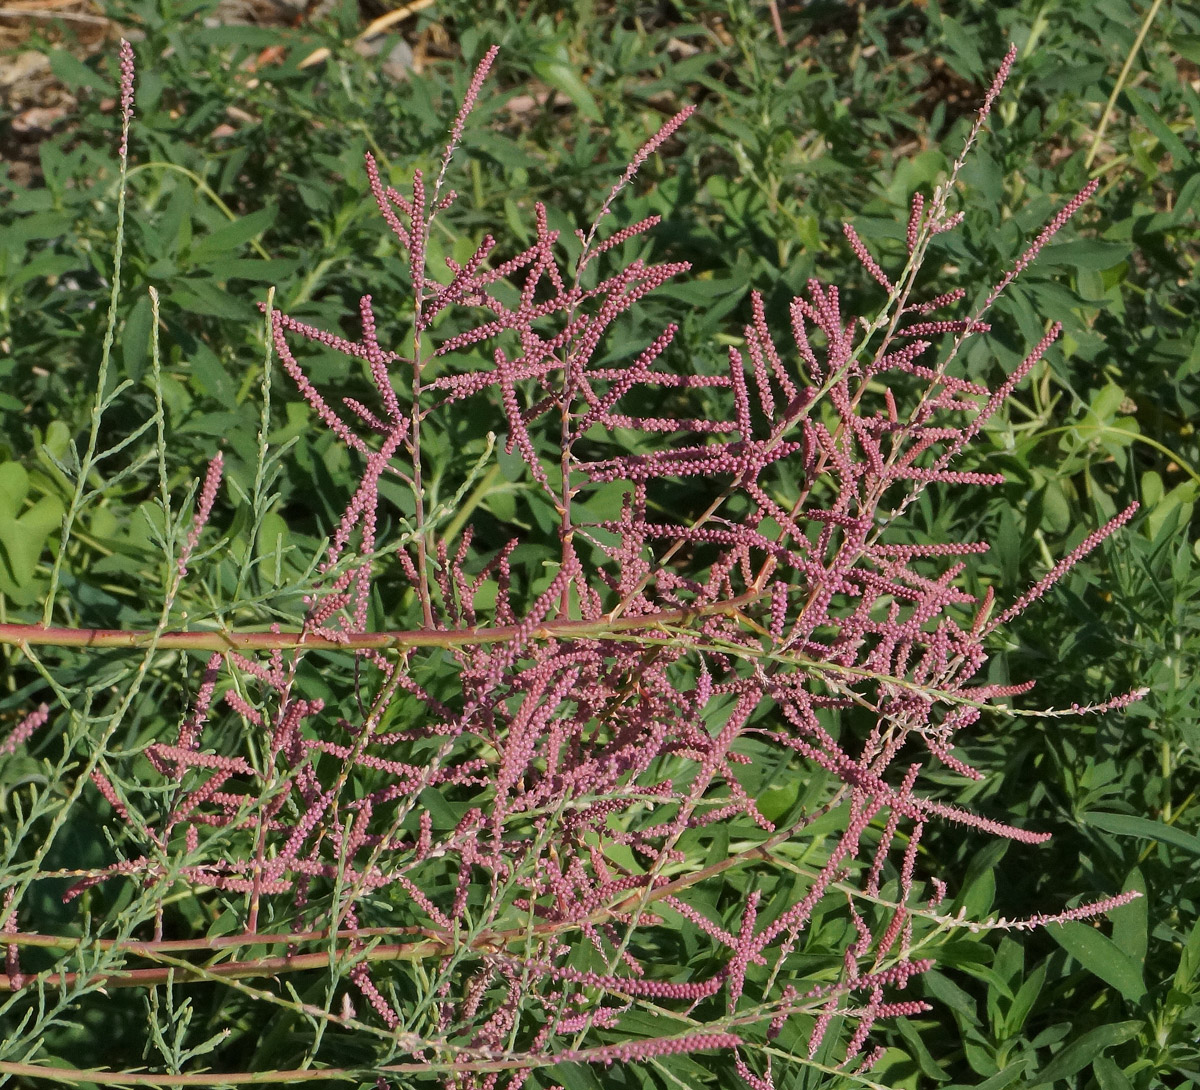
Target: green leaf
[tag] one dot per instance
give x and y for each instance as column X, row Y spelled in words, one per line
column 135, row 339
column 249, row 37
column 1057, row 514
column 23, row 531
column 255, row 268
column 1003, row 1078
column 1145, row 828
column 174, row 230
column 203, row 296
column 1170, row 142
column 1097, row 953
column 234, row 235
column 575, row 1076
column 1186, row 45
column 930, row 1068
column 1105, row 404
column 563, row 77
column 962, row 45
column 1109, row 1075
column 74, row 73
column 1131, row 922
column 1189, row 961
column 1026, row 996
column 43, row 266
column 946, row 991
column 1086, row 253
column 703, row 292
column 777, row 801
column 36, row 225
column 1079, row 1053
column 979, row 883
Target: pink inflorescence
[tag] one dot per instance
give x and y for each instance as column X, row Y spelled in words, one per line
column 125, row 53
column 23, row 731
column 204, row 506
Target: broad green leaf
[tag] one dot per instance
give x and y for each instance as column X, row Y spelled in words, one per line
column 1145, row 828
column 1150, row 117
column 1109, row 1075
column 233, row 235
column 920, row 1052
column 1107, row 402
column 36, row 225
column 256, row 269
column 1097, row 953
column 42, row 266
column 1026, row 996
column 249, row 37
column 575, row 1076
column 1079, row 1053
column 1186, row 45
column 777, row 801
column 946, row 991
column 1004, row 1078
column 135, row 338
column 74, row 73
column 962, row 45
column 1131, row 922
column 563, row 77
column 1086, row 253
column 1189, row 961
column 202, row 296
column 23, row 530
column 702, row 292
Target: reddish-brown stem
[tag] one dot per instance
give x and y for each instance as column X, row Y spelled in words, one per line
column 231, row 970
column 215, row 942
column 458, row 1063
column 48, row 636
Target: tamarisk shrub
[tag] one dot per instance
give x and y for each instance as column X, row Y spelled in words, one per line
column 641, row 779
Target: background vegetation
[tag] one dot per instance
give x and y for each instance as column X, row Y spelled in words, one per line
column 248, row 173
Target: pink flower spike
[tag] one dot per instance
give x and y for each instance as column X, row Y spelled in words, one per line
column 208, row 496
column 1083, row 912
column 1047, row 233
column 1062, row 567
column 24, row 729
column 864, row 257
column 914, row 221
column 464, row 111
column 665, row 132
column 989, row 101
column 125, row 53
column 998, row 83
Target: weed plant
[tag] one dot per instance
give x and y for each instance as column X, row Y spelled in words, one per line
column 624, row 770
